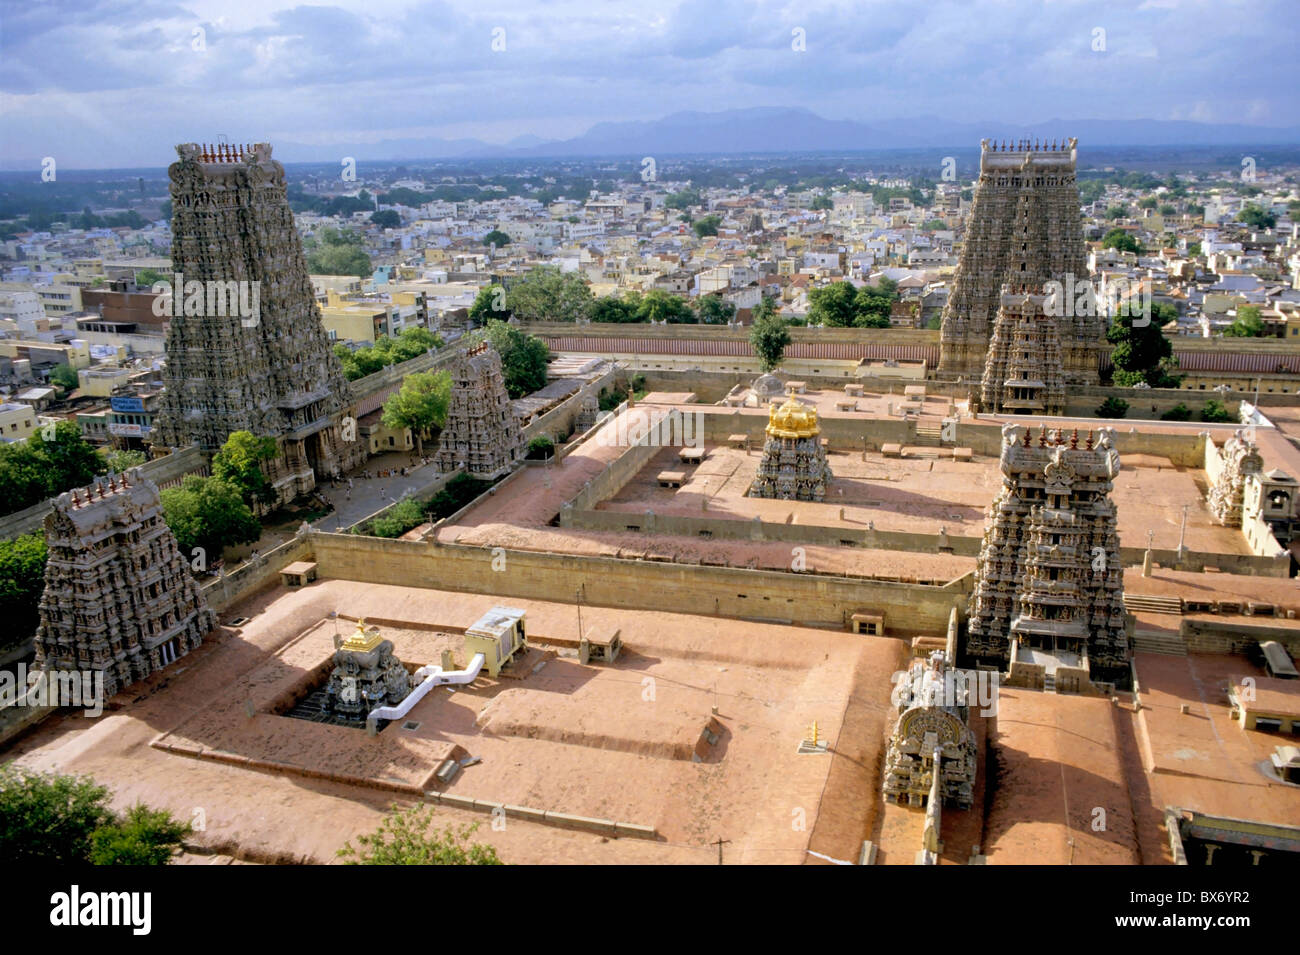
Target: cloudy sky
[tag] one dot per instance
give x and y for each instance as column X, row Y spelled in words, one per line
column 100, row 83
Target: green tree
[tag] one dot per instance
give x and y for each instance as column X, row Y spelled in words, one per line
column 1142, row 352
column 683, row 200
column 1112, row 408
column 496, row 237
column 334, row 252
column 22, row 578
column 407, row 837
column 64, row 377
column 834, row 305
column 821, row 203
column 489, row 304
column 708, row 225
column 1116, row 212
column 874, row 304
column 1179, row 412
column 420, row 404
column 398, row 519
column 1213, row 411
column 239, row 462
column 208, row 513
column 1119, row 239
column 546, row 294
column 541, row 447
column 122, row 461
column 1248, row 323
column 386, row 218
column 616, row 309
column 714, row 310
column 769, row 336
column 1256, row 217
column 49, row 819
column 143, row 836
column 660, row 306
column 523, row 357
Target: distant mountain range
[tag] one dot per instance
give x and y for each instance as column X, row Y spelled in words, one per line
column 788, row 130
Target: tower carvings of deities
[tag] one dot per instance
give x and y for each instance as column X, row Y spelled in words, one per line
column 119, row 597
column 1024, row 230
column 481, row 434
column 1049, row 576
column 1022, row 373
column 271, row 371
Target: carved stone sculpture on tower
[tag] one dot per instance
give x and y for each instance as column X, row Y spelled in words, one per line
column 1024, row 229
column 793, row 467
column 1239, row 459
column 482, row 433
column 1049, row 575
column 272, row 371
column 1022, row 371
column 932, row 736
column 119, row 597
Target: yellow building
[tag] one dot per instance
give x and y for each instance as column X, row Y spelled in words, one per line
column 17, row 421
column 101, row 382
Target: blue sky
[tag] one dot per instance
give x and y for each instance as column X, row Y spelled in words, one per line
column 117, row 82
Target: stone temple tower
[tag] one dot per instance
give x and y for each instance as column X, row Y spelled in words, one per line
column 1024, row 230
column 119, row 597
column 794, row 465
column 267, row 366
column 482, row 434
column 1022, row 372
column 1049, row 575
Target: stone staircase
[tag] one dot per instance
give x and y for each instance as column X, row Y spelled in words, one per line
column 929, row 435
column 1152, row 641
column 1150, row 603
column 1049, row 682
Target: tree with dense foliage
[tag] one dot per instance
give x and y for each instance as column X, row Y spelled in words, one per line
column 657, row 305
column 1116, row 212
column 335, row 252
column 1142, row 352
column 239, row 462
column 769, row 336
column 143, row 836
column 496, row 237
column 120, row 461
column 834, row 305
column 708, row 225
column 546, row 294
column 386, row 218
column 523, row 357
column 874, row 304
column 617, row 309
column 57, row 819
column 409, row 343
column 489, row 304
column 822, row 202
column 1112, row 408
column 1214, row 412
column 1248, row 323
column 420, row 404
column 208, row 513
column 1256, row 217
column 22, row 578
column 35, row 469
column 65, row 377
column 681, row 201
column 1121, row 240
column 714, row 310
column 407, row 837
column 1179, row 412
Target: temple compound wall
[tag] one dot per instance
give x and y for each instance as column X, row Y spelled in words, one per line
column 119, row 597
column 1049, row 576
column 1025, row 228
column 481, row 435
column 270, row 369
column 1022, row 371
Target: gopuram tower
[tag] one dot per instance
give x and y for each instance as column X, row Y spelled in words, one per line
column 119, row 597
column 265, row 366
column 481, row 434
column 1049, row 576
column 1024, row 230
column 794, row 464
column 1022, row 372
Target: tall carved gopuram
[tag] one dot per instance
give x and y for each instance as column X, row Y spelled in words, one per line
column 1049, row 575
column 265, row 365
column 1024, row 229
column 481, row 434
column 119, row 597
column 1022, row 372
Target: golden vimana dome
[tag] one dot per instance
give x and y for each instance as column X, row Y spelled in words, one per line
column 794, row 419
